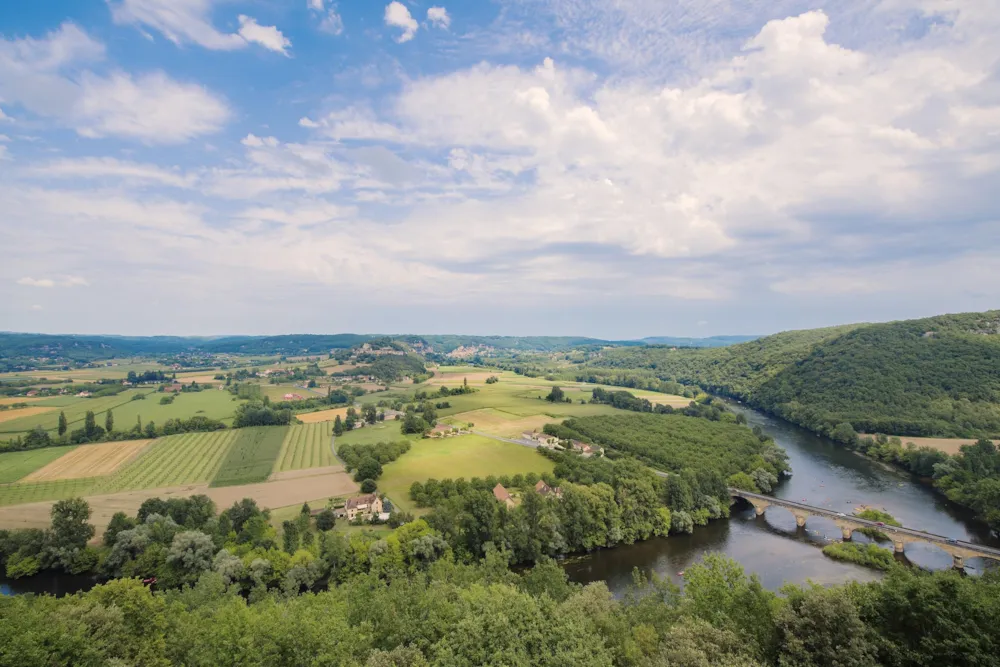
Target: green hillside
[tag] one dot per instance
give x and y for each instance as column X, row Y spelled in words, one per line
column 934, row 376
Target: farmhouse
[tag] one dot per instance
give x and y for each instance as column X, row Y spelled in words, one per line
column 544, row 489
column 292, row 397
column 586, row 451
column 501, row 494
column 83, row 394
column 31, row 393
column 441, row 430
column 364, row 506
column 173, row 387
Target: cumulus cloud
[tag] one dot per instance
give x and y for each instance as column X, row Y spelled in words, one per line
column 331, row 21
column 398, row 16
column 438, row 16
column 47, row 76
column 190, row 21
column 267, row 36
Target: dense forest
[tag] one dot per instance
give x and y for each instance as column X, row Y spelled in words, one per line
column 935, row 376
column 230, row 592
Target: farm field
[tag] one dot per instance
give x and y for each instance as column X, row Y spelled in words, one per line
column 497, row 422
column 276, row 392
column 89, row 374
column 322, row 415
column 388, row 431
column 15, row 465
column 89, row 461
column 189, row 458
column 306, row 446
column 316, row 488
column 19, row 399
column 946, row 445
column 465, row 456
column 29, row 492
column 251, row 457
column 21, row 413
column 75, row 410
column 210, row 403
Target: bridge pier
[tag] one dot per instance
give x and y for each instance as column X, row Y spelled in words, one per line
column 800, row 520
column 898, row 546
column 846, row 533
column 958, row 562
column 759, row 509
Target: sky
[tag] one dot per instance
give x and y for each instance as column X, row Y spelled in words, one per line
column 611, row 168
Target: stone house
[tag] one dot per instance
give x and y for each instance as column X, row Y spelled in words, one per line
column 365, row 506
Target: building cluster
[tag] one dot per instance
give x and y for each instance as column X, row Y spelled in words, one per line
column 502, row 495
column 366, row 507
column 552, row 442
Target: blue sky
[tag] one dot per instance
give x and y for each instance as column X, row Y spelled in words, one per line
column 615, row 169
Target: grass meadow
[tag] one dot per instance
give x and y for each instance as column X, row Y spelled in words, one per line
column 306, row 446
column 387, row 431
column 75, row 410
column 252, row 456
column 465, row 456
column 30, row 492
column 15, row 465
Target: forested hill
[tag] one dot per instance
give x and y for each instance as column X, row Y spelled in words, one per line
column 933, row 376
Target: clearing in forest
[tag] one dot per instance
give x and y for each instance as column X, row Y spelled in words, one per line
column 306, row 446
column 89, row 461
column 947, row 445
column 189, row 458
column 251, row 457
column 15, row 465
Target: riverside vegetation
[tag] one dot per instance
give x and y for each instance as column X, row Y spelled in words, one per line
column 231, row 591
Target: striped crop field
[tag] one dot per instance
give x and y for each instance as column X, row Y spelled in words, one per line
column 306, row 446
column 30, row 492
column 15, row 465
column 252, row 456
column 190, row 458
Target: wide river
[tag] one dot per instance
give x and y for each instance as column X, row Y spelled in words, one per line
column 772, row 546
column 824, row 474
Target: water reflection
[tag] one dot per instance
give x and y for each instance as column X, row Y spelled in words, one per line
column 774, row 547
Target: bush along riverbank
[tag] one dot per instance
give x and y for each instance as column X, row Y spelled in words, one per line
column 868, row 555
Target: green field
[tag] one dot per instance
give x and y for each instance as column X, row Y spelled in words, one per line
column 306, row 446
column 210, row 403
column 16, row 494
column 387, row 431
column 465, row 456
column 189, row 458
column 251, row 457
column 523, row 401
column 75, row 412
column 15, row 465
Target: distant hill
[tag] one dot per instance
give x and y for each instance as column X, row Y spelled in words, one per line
column 710, row 341
column 934, row 376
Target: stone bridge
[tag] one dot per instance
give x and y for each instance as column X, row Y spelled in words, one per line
column 847, row 523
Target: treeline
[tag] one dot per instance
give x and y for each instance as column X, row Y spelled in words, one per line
column 405, row 599
column 706, row 407
column 261, row 413
column 367, row 460
column 92, row 432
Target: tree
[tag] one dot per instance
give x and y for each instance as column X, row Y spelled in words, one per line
column 370, row 413
column 823, row 628
column 191, row 552
column 368, row 468
column 119, row 522
column 290, row 536
column 338, row 426
column 69, row 523
column 109, row 421
column 556, row 395
column 844, row 432
column 150, row 430
column 326, row 520
column 368, row 486
column 63, row 424
column 89, row 424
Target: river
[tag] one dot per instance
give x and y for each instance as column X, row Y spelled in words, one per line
column 773, row 547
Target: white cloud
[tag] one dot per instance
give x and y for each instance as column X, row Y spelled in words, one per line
column 5, row 117
column 112, row 168
column 316, row 5
column 438, row 16
column 398, row 16
column 46, row 76
column 267, row 36
column 152, row 108
column 184, row 21
column 332, row 23
column 63, row 281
